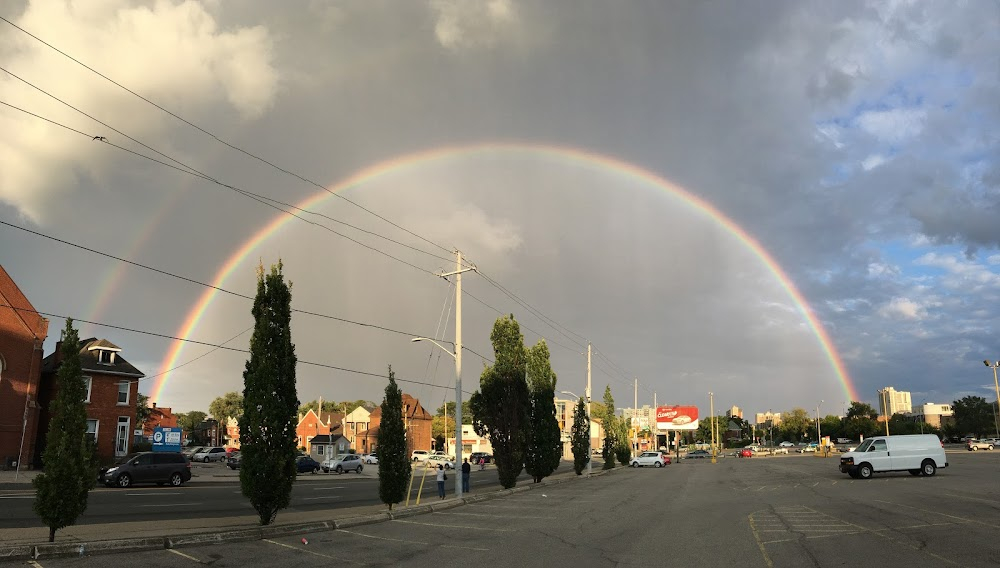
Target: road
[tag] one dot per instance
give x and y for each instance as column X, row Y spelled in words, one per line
column 217, row 499
column 786, row 511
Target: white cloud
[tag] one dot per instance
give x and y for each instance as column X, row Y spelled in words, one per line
column 172, row 53
column 873, row 161
column 903, row 308
column 961, row 274
column 882, row 270
column 893, row 125
column 472, row 23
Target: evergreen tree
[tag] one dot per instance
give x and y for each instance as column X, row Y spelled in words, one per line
column 394, row 464
column 500, row 408
column 68, row 459
column 544, row 447
column 581, row 437
column 270, row 403
column 610, row 430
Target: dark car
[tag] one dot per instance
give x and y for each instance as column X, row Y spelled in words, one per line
column 698, row 454
column 148, row 467
column 233, row 461
column 474, row 457
column 306, row 463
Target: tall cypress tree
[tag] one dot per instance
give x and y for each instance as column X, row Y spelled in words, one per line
column 623, row 444
column 500, row 408
column 393, row 463
column 68, row 459
column 581, row 437
column 544, row 448
column 610, row 430
column 270, row 403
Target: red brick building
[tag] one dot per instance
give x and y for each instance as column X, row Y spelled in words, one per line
column 159, row 417
column 312, row 424
column 22, row 333
column 416, row 420
column 112, row 386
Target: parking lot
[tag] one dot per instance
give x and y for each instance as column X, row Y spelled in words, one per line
column 795, row 510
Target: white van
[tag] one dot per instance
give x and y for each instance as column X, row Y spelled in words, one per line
column 917, row 454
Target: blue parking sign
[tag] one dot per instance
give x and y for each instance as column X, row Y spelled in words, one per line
column 166, row 439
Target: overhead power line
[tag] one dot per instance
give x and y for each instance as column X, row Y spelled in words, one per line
column 222, row 141
column 218, row 346
column 206, row 285
column 184, row 168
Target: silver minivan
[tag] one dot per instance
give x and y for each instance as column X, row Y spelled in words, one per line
column 915, row 453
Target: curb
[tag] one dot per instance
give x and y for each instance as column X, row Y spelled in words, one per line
column 77, row 549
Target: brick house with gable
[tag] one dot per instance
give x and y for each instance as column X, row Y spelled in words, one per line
column 416, row 420
column 112, row 387
column 159, row 417
column 312, row 424
column 22, row 334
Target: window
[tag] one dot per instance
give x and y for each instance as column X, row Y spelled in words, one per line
column 319, row 449
column 878, row 446
column 87, row 383
column 105, row 357
column 92, row 426
column 122, row 393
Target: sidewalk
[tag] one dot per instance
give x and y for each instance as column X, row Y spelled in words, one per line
column 32, row 542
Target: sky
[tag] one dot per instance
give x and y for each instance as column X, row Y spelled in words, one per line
column 783, row 204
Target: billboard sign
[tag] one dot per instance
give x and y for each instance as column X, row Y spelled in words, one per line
column 677, row 417
column 166, row 439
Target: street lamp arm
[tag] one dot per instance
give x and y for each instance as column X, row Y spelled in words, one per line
column 443, row 348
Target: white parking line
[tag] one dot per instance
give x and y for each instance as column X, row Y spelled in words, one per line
column 327, row 488
column 452, row 526
column 382, row 537
column 307, row 551
column 17, row 496
column 156, row 494
column 171, row 505
column 179, row 553
column 465, row 547
column 491, row 516
column 323, row 497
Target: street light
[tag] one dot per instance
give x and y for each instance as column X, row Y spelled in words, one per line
column 997, row 386
column 819, row 435
column 711, row 413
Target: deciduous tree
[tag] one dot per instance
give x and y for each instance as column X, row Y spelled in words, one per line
column 501, row 405
column 544, row 447
column 394, row 465
column 270, row 403
column 973, row 415
column 229, row 405
column 70, row 468
column 581, row 437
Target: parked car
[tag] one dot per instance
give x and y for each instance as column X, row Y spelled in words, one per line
column 447, row 461
column 745, row 453
column 210, row 454
column 915, row 453
column 191, row 451
column 698, row 454
column 234, row 460
column 419, row 455
column 306, row 463
column 975, row 445
column 475, row 456
column 650, row 459
column 786, row 444
column 148, row 467
column 346, row 462
column 371, row 458
column 781, row 450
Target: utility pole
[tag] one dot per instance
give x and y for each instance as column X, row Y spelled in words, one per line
column 711, row 415
column 590, row 450
column 635, row 411
column 996, row 385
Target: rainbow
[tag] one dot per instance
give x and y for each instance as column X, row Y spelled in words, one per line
column 572, row 156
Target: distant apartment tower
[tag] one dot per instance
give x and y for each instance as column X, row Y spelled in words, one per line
column 892, row 401
column 762, row 418
column 734, row 412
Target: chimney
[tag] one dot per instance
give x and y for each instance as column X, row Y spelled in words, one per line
column 154, row 405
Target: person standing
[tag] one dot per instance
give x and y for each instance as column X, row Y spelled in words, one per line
column 482, row 463
column 441, row 476
column 466, row 472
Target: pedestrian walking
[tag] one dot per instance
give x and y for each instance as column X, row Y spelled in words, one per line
column 482, row 463
column 441, row 476
column 466, row 472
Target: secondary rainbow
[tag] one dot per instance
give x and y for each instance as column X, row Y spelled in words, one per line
column 574, row 156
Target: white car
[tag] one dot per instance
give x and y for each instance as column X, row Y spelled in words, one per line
column 346, row 462
column 370, row 458
column 447, row 461
column 654, row 459
column 786, row 444
column 419, row 455
column 210, row 454
column 779, row 450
